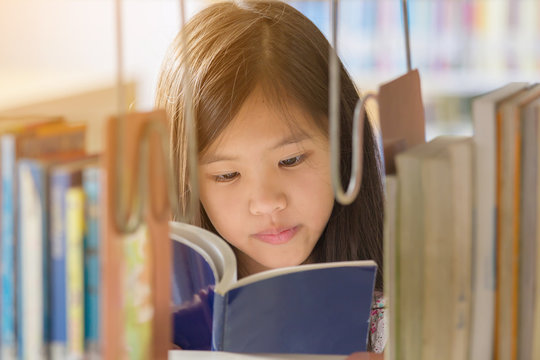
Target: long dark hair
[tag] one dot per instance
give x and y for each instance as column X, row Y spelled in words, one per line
column 234, row 47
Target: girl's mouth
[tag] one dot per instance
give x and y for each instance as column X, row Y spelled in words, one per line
column 277, row 237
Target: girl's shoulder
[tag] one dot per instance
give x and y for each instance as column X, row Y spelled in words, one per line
column 378, row 331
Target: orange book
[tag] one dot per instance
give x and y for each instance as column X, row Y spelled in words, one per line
column 508, row 222
column 136, row 264
column 49, row 139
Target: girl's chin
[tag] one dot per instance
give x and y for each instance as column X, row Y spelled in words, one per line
column 249, row 265
column 281, row 264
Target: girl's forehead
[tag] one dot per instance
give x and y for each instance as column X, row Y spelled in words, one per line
column 260, row 111
column 262, row 123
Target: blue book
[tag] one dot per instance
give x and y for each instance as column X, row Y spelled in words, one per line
column 319, row 308
column 62, row 178
column 33, row 253
column 92, row 240
column 7, row 334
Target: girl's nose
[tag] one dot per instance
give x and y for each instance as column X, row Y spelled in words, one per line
column 267, row 199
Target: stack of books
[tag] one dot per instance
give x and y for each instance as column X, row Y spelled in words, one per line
column 462, row 237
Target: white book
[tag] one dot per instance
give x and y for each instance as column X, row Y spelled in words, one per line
column 410, row 265
column 31, row 248
column 438, row 272
column 446, row 180
column 461, row 162
column 485, row 142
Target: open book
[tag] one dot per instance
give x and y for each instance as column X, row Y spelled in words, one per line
column 319, row 308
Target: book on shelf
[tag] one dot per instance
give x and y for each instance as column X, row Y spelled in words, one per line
column 319, row 308
column 63, row 178
column 431, row 226
column 135, row 262
column 74, row 199
column 39, row 140
column 462, row 215
column 92, row 182
column 529, row 231
column 484, row 112
column 33, row 293
column 508, row 220
column 390, row 275
column 11, row 128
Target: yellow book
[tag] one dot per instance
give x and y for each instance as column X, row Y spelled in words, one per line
column 75, row 271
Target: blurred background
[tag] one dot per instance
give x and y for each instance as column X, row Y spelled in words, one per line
column 51, row 49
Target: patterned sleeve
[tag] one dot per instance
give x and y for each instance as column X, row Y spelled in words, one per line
column 378, row 331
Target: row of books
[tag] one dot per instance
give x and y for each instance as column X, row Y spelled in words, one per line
column 462, row 237
column 445, row 34
column 70, row 277
column 46, row 276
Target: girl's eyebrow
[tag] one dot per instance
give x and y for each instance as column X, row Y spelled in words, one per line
column 292, row 139
column 208, row 159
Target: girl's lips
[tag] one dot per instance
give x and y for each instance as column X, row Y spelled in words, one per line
column 277, row 237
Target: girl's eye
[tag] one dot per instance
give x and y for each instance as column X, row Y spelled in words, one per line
column 227, row 177
column 297, row 160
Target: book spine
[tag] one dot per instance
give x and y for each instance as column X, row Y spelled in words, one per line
column 71, row 140
column 483, row 292
column 389, row 246
column 536, row 321
column 7, row 251
column 218, row 322
column 462, row 172
column 58, row 340
column 74, row 200
column 528, row 232
column 91, row 185
column 138, row 309
column 32, row 229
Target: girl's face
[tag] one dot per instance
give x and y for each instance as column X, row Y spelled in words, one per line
column 266, row 189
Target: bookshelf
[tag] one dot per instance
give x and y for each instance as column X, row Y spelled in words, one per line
column 462, row 48
column 68, row 69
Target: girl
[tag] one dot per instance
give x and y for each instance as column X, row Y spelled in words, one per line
column 259, row 74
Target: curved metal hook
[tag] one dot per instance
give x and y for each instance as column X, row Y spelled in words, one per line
column 405, row 11
column 358, row 124
column 128, row 220
column 355, row 181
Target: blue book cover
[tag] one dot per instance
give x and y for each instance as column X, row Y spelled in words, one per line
column 321, row 308
column 7, row 251
column 92, row 240
column 60, row 182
